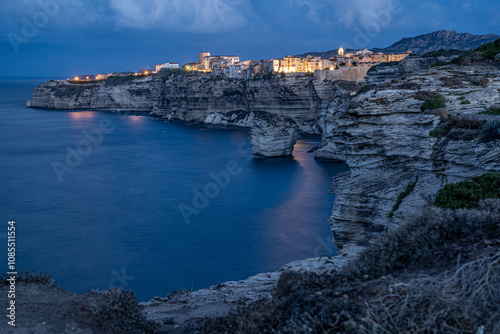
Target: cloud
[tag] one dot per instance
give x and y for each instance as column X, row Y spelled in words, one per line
column 68, row 14
column 200, row 16
column 360, row 12
column 346, row 14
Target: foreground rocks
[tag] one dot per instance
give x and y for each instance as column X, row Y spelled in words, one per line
column 45, row 309
column 183, row 309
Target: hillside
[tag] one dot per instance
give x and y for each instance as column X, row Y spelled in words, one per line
column 421, row 44
column 438, row 40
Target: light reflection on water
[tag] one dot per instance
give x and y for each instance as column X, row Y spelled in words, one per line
column 118, row 210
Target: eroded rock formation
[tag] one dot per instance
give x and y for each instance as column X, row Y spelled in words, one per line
column 198, row 98
column 274, row 136
column 386, row 140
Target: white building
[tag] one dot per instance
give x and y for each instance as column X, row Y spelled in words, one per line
column 364, row 52
column 236, row 71
column 167, row 66
column 220, row 60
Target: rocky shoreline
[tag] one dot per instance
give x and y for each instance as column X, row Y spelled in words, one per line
column 200, row 98
column 385, row 138
column 397, row 163
column 195, row 98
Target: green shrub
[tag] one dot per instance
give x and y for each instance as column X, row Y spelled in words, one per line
column 457, row 60
column 479, row 81
column 490, row 50
column 491, row 131
column 485, row 51
column 402, row 196
column 443, row 53
column 495, row 111
column 440, row 63
column 434, row 228
column 460, row 128
column 465, row 102
column 434, row 103
column 491, row 126
column 437, row 132
column 468, row 193
column 29, row 277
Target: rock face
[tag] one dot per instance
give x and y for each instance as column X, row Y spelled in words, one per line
column 385, row 139
column 198, row 98
column 387, row 72
column 274, row 136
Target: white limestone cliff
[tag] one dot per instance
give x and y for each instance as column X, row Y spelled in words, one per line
column 273, row 136
column 196, row 98
column 384, row 137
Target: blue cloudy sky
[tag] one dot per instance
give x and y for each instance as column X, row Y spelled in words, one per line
column 62, row 38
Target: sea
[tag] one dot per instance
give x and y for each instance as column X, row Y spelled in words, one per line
column 103, row 199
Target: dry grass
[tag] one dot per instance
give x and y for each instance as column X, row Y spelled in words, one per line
column 441, row 274
column 460, row 301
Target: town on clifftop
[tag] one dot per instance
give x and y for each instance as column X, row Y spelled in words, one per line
column 230, row 66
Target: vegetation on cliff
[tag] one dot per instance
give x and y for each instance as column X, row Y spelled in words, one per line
column 438, row 274
column 487, row 51
column 468, row 193
column 434, row 103
column 402, row 196
column 468, row 128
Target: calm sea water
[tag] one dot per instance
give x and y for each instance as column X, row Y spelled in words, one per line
column 113, row 218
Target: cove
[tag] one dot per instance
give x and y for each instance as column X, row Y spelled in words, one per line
column 114, row 219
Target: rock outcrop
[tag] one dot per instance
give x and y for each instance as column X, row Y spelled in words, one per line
column 198, row 98
column 385, row 138
column 184, row 308
column 274, row 136
column 387, row 72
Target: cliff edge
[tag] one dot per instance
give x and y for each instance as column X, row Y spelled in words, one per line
column 400, row 155
column 196, row 97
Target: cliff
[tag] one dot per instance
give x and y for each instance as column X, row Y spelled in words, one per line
column 200, row 98
column 274, row 136
column 397, row 165
column 399, row 155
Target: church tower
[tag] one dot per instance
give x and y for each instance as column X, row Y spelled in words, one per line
column 341, row 51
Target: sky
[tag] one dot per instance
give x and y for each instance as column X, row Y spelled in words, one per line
column 64, row 38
